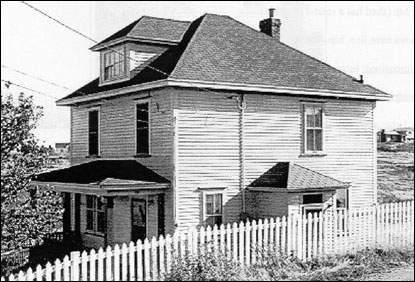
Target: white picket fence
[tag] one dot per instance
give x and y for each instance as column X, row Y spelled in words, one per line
column 341, row 231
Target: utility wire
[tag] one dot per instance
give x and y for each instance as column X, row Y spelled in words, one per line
column 88, row 37
column 8, row 83
column 35, row 77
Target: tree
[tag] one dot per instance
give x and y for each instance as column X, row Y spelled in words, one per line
column 28, row 213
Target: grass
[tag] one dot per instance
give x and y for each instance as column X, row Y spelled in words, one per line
column 395, row 172
column 276, row 267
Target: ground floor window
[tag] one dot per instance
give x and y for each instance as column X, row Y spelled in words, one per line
column 342, row 198
column 213, row 209
column 95, row 214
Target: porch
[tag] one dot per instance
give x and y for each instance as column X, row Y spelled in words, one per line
column 109, row 202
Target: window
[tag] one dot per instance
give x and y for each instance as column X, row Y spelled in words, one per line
column 93, row 134
column 114, row 64
column 213, row 209
column 95, row 214
column 313, row 128
column 312, row 199
column 142, row 129
column 342, row 198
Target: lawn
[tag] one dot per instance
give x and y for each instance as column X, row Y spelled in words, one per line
column 395, row 172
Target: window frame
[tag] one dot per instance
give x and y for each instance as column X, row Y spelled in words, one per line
column 139, row 102
column 98, row 110
column 95, row 211
column 205, row 194
column 305, row 106
column 104, row 54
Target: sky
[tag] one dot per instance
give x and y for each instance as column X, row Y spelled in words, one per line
column 375, row 39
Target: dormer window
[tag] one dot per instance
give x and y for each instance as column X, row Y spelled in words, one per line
column 113, row 64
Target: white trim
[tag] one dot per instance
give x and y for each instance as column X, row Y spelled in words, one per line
column 120, row 78
column 225, row 86
column 137, row 102
column 304, row 106
column 98, row 109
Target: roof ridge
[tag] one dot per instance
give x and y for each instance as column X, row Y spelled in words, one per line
column 192, row 38
column 166, row 19
column 301, row 52
column 319, row 173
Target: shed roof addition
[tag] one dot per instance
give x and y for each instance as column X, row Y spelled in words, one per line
column 286, row 175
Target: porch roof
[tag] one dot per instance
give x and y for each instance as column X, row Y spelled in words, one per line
column 293, row 177
column 111, row 175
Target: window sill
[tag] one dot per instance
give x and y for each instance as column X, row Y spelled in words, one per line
column 96, row 234
column 319, row 154
column 93, row 157
column 142, row 156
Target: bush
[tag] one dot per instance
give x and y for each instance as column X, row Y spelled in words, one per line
column 206, row 267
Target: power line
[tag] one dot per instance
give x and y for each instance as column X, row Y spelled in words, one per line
column 96, row 42
column 88, row 37
column 8, row 83
column 35, row 77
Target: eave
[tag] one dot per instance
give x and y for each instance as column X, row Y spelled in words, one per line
column 212, row 85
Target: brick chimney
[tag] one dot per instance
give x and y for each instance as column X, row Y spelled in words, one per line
column 271, row 26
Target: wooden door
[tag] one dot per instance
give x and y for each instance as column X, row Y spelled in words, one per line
column 139, row 219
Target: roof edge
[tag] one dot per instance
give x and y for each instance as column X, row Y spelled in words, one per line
column 224, row 86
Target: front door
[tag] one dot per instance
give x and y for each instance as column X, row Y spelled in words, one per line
column 139, row 219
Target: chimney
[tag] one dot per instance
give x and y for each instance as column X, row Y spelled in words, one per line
column 271, row 26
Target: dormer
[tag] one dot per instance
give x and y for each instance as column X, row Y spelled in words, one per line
column 127, row 51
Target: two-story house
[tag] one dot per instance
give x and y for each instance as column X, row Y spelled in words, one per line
column 207, row 122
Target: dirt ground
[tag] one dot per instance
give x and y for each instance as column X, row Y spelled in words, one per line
column 397, row 274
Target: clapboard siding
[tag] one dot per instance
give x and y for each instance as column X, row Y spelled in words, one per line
column 208, row 146
column 117, row 135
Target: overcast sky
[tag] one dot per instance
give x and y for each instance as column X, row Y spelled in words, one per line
column 375, row 39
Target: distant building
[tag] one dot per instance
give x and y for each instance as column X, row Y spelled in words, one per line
column 408, row 132
column 62, row 149
column 400, row 135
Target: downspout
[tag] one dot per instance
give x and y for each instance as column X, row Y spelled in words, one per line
column 242, row 108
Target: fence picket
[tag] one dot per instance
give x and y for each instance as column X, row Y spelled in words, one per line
column 154, row 264
column 108, row 260
column 254, row 229
column 215, row 239
column 147, row 260
column 31, row 277
column 162, row 268
column 124, row 259
column 117, row 253
column 140, row 266
column 241, row 231
column 66, row 269
column 131, row 261
column 283, row 234
column 260, row 227
column 235, row 242
column 84, row 266
column 39, row 273
column 169, row 253
column 92, row 265
column 100, row 271
column 58, row 269
column 247, row 243
column 222, row 239
column 20, row 277
column 228, row 241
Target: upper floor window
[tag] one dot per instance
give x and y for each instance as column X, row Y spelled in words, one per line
column 114, row 64
column 313, row 128
column 93, row 132
column 142, row 129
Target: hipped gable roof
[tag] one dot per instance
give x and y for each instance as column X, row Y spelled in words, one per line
column 219, row 49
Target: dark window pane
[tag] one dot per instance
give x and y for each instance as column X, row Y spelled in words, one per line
column 142, row 141
column 93, row 132
column 89, row 220
column 89, row 201
column 318, row 139
column 218, row 204
column 209, row 204
column 99, row 204
column 313, row 199
column 318, row 117
column 212, row 220
column 310, row 140
column 142, row 112
column 101, row 222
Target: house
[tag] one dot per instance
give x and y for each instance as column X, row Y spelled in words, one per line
column 62, row 149
column 208, row 122
column 407, row 132
column 400, row 135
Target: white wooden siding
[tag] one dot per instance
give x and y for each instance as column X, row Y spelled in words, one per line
column 207, row 149
column 117, row 136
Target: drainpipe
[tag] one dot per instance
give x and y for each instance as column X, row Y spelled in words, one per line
column 242, row 108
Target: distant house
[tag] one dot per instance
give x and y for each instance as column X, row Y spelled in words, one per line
column 399, row 135
column 408, row 132
column 207, row 122
column 62, row 149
